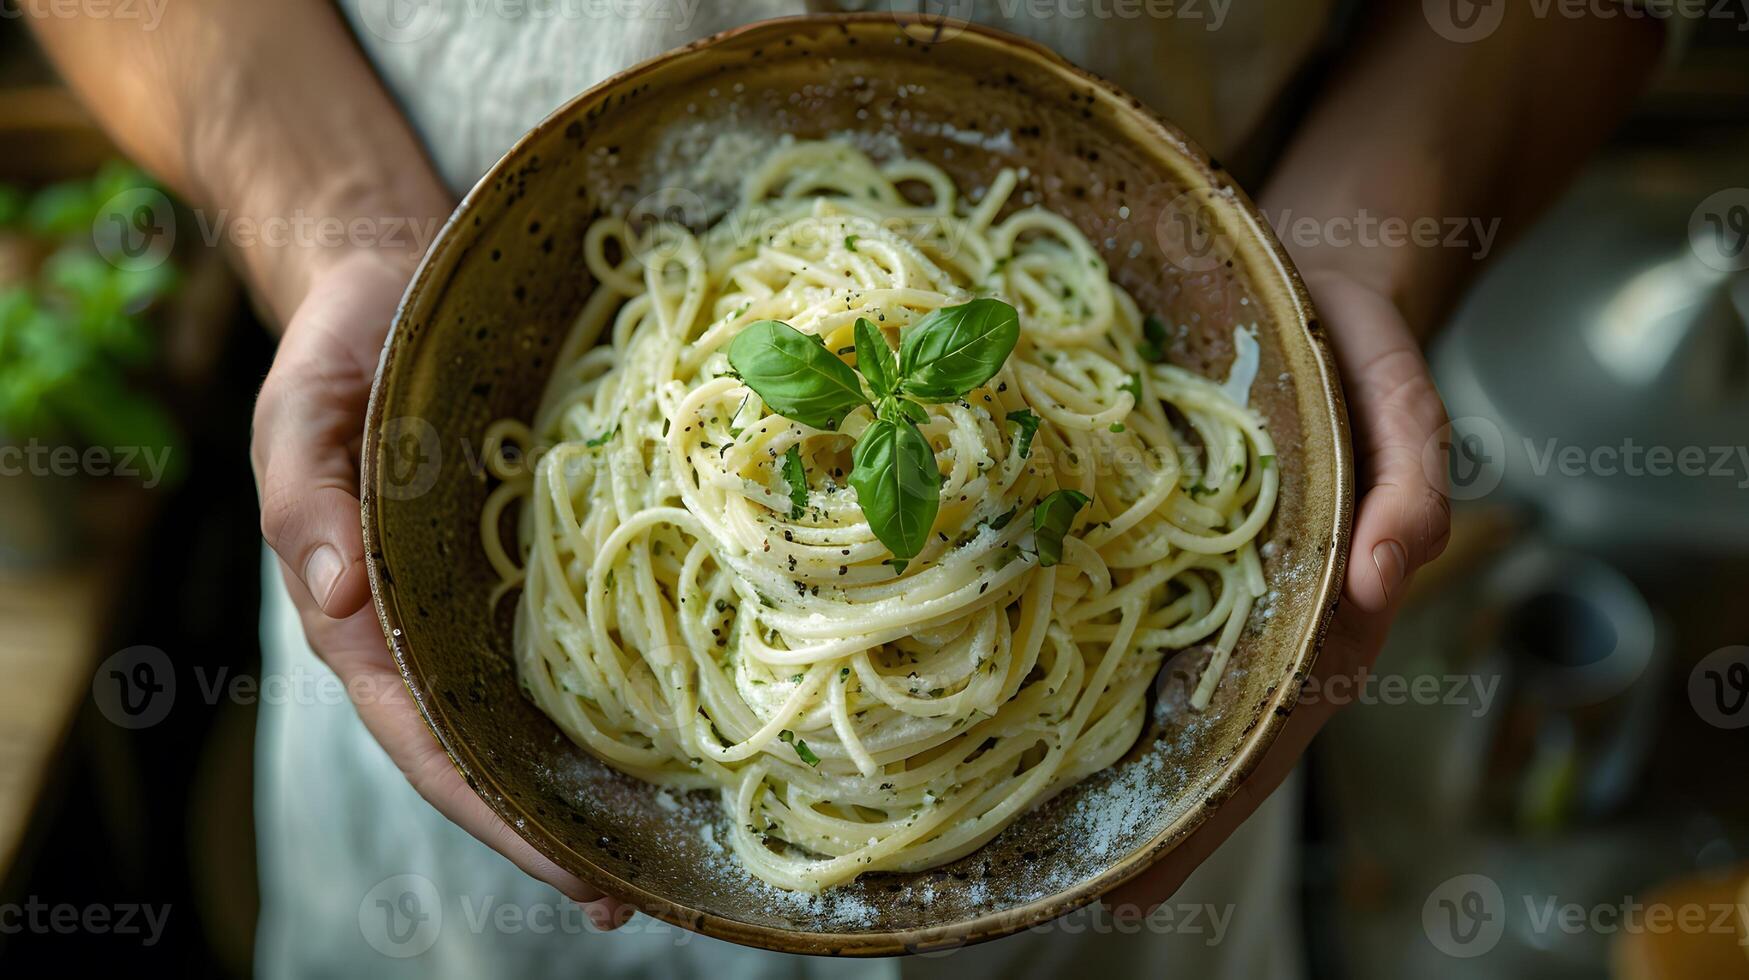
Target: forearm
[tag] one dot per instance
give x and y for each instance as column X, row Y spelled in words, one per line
column 1476, row 136
column 265, row 116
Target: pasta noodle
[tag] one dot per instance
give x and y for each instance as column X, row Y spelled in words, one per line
column 686, row 618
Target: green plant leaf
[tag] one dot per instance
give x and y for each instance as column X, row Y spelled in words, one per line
column 12, row 202
column 1051, row 520
column 875, row 359
column 956, row 348
column 1028, row 423
column 897, row 484
column 797, row 478
column 795, row 375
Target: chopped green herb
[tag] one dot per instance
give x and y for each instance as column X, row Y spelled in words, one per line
column 1154, row 346
column 797, row 479
column 1000, row 521
column 1028, row 423
column 802, row 751
column 1134, row 387
column 1051, row 521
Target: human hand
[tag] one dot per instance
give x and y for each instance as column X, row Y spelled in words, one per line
column 1402, row 523
column 309, row 424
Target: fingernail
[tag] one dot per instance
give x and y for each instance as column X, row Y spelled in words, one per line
column 322, row 573
column 1391, row 561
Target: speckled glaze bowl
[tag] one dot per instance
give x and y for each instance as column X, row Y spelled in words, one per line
column 474, row 339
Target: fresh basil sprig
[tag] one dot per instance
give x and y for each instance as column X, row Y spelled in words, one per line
column 943, row 356
column 1051, row 520
column 795, row 374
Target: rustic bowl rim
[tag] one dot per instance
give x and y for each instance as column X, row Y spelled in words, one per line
column 1272, row 715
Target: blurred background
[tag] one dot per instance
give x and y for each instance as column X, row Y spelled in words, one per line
column 1552, row 754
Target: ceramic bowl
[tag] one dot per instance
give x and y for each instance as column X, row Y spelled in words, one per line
column 474, row 340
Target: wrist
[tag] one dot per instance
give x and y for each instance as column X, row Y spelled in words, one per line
column 285, row 239
column 294, row 184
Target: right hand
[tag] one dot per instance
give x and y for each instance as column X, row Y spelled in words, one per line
column 309, row 424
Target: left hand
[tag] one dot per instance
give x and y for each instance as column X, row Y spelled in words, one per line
column 309, row 421
column 1401, row 523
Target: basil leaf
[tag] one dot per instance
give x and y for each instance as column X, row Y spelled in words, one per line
column 913, row 411
column 1028, row 423
column 956, row 348
column 875, row 359
column 795, row 375
column 1051, row 519
column 1154, row 345
column 802, row 751
column 797, row 478
column 897, row 484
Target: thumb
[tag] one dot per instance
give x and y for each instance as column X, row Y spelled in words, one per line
column 308, row 422
column 1404, row 517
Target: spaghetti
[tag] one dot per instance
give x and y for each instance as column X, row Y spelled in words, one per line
column 691, row 616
